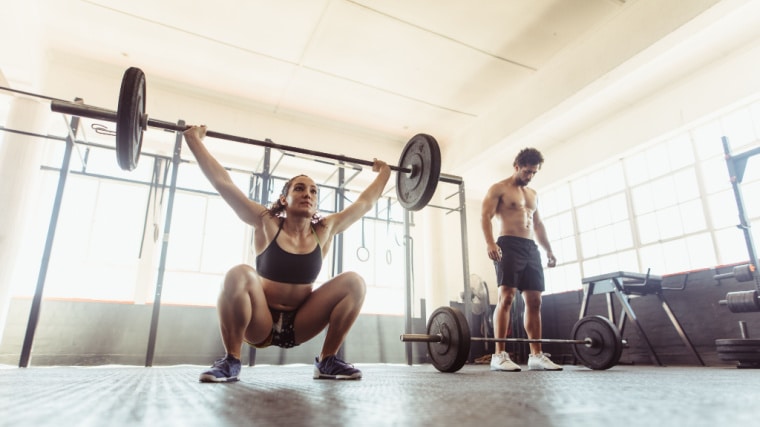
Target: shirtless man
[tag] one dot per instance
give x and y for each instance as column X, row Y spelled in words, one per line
column 516, row 257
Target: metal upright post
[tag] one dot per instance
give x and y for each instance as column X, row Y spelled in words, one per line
column 465, row 255
column 34, row 313
column 736, row 165
column 409, row 284
column 340, row 194
column 266, row 184
column 164, row 247
column 340, row 204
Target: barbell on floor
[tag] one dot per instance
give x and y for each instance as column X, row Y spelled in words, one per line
column 596, row 341
column 419, row 167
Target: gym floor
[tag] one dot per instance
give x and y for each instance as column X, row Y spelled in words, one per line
column 388, row 395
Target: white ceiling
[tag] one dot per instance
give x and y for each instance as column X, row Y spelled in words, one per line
column 392, row 67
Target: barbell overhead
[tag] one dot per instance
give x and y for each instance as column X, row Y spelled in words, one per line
column 418, row 172
column 596, row 341
column 422, row 157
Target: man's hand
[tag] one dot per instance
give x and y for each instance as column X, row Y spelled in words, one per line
column 552, row 260
column 494, row 251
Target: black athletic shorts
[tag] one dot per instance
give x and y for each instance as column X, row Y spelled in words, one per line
column 520, row 266
column 282, row 334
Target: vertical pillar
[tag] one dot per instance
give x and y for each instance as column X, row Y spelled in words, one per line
column 409, row 284
column 164, row 249
column 465, row 256
column 20, row 159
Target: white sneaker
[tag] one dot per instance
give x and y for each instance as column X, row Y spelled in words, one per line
column 502, row 362
column 541, row 362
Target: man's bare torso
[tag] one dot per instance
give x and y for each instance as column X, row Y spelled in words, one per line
column 515, row 209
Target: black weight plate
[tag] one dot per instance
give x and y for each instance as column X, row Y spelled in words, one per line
column 423, row 156
column 452, row 352
column 745, row 357
column 738, row 349
column 129, row 123
column 606, row 344
column 742, row 301
column 737, row 342
column 745, row 273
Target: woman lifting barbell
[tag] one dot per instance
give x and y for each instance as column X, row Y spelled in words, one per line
column 275, row 303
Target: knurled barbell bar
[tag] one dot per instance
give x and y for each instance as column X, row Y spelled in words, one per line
column 419, row 167
column 596, row 341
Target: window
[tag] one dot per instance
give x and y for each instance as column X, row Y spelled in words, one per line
column 97, row 241
column 374, row 248
column 560, row 228
column 562, row 278
column 603, row 226
column 672, row 210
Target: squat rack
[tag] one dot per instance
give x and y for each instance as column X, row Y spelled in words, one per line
column 266, row 176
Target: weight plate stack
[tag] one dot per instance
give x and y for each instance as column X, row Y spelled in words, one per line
column 743, row 350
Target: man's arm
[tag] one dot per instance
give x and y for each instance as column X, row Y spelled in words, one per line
column 543, row 239
column 487, row 212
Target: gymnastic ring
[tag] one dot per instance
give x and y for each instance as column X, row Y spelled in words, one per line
column 362, row 253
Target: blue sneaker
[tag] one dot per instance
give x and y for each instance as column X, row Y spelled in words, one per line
column 225, row 370
column 332, row 368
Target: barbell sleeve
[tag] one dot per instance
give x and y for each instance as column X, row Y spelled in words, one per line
column 82, row 110
column 421, row 338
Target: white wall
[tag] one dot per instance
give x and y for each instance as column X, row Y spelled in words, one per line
column 20, row 157
column 720, row 85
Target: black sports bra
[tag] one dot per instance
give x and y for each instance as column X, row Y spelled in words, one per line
column 276, row 264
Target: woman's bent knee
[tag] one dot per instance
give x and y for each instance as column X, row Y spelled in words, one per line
column 238, row 278
column 240, row 270
column 355, row 282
